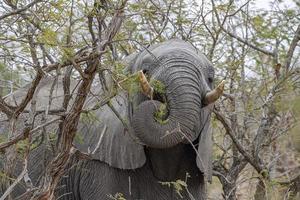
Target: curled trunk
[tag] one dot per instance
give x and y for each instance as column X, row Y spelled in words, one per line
column 182, row 94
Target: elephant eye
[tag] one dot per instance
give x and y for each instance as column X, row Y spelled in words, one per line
column 210, row 80
column 145, row 71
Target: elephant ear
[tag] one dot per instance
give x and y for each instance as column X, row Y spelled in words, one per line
column 103, row 135
column 204, row 155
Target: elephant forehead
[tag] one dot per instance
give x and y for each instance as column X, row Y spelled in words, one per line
column 174, row 46
column 151, row 58
column 171, row 49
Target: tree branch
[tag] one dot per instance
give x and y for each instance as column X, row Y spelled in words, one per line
column 57, row 166
column 25, row 133
column 255, row 47
column 4, row 107
column 292, row 49
column 29, row 94
column 19, row 178
column 18, row 11
column 239, row 146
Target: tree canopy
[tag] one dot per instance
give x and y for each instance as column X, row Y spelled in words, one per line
column 256, row 50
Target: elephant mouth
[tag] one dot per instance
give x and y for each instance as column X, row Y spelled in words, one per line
column 155, row 91
column 163, row 111
column 171, row 114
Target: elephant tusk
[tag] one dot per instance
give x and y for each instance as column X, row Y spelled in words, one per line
column 215, row 94
column 146, row 88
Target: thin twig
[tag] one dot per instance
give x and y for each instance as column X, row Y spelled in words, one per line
column 25, row 133
column 239, row 146
column 20, row 10
column 13, row 185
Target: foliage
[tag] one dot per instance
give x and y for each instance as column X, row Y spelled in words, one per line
column 178, row 185
column 248, row 46
column 117, row 196
column 89, row 117
column 78, row 138
column 161, row 113
column 131, row 84
column 158, row 86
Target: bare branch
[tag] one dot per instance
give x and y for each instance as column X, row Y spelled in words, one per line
column 29, row 94
column 78, row 59
column 221, row 24
column 292, row 48
column 4, row 107
column 25, row 133
column 239, row 146
column 58, row 164
column 18, row 11
column 33, row 52
column 78, row 68
column 13, row 185
column 255, row 47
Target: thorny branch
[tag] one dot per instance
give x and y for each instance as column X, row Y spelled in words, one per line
column 25, row 133
column 92, row 57
column 20, row 10
column 4, row 107
column 240, row 147
column 292, row 48
column 58, row 164
column 252, row 152
column 29, row 94
column 221, row 24
column 19, row 178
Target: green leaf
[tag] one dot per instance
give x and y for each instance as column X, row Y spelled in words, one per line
column 49, row 37
column 158, row 86
column 78, row 138
column 117, row 196
column 258, row 21
column 68, row 53
column 89, row 118
column 178, row 185
column 161, row 113
column 131, row 84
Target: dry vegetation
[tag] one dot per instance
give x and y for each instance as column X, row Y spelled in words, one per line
column 256, row 134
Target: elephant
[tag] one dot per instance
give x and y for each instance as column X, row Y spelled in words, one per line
column 152, row 144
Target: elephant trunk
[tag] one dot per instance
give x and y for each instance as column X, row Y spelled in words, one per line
column 172, row 117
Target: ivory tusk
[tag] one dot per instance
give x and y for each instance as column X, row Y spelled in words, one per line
column 215, row 94
column 146, row 88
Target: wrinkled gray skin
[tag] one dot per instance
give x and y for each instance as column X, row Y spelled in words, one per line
column 137, row 160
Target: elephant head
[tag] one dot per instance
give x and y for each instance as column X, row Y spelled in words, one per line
column 179, row 82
